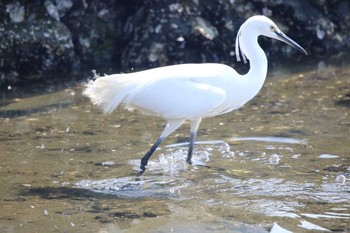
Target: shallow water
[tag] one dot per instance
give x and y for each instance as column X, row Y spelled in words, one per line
column 280, row 164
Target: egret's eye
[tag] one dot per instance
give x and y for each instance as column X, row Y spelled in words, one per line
column 272, row 28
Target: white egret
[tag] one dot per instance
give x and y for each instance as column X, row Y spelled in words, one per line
column 190, row 91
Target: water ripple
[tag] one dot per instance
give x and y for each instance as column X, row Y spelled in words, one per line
column 133, row 187
column 271, row 139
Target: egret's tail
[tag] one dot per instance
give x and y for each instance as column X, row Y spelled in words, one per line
column 110, row 91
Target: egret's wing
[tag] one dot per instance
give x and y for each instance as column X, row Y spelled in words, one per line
column 178, row 91
column 177, row 98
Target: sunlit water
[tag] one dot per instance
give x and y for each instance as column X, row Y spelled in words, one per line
column 280, row 164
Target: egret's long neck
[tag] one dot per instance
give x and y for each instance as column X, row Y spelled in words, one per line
column 256, row 75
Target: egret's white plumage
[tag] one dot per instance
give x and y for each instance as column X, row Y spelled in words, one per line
column 190, row 91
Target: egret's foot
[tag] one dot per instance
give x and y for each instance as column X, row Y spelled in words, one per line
column 189, row 157
column 139, row 173
column 142, row 170
column 189, row 160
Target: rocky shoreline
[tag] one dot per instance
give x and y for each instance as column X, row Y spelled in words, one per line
column 41, row 39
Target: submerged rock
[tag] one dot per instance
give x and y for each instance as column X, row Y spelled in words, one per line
column 51, row 37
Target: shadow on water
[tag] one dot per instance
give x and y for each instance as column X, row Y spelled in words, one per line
column 27, row 112
column 60, row 193
column 344, row 101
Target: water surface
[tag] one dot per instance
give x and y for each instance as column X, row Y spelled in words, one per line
column 282, row 162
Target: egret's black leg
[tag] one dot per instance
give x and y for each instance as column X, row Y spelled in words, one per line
column 194, row 128
column 170, row 127
column 190, row 149
column 145, row 158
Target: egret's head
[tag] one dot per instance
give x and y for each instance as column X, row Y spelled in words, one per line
column 261, row 25
column 268, row 28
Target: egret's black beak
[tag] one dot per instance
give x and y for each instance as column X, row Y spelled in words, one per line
column 283, row 37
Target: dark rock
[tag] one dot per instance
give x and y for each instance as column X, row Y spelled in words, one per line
column 46, row 38
column 32, row 44
column 173, row 32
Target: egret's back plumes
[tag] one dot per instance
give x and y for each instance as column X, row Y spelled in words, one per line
column 110, row 91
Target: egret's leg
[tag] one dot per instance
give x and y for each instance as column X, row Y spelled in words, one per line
column 191, row 145
column 170, row 127
column 146, row 157
column 194, row 129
